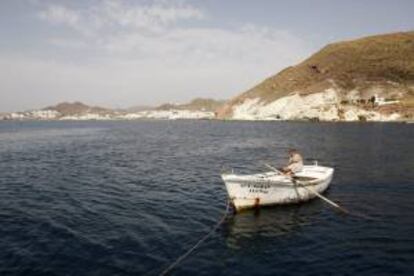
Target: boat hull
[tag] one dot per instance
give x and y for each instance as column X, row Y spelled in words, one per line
column 250, row 191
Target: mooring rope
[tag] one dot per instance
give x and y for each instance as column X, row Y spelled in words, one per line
column 186, row 254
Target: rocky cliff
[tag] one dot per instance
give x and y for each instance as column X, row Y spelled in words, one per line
column 370, row 78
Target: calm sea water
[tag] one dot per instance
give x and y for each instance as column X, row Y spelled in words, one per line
column 127, row 198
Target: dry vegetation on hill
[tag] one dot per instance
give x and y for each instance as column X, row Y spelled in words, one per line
column 195, row 105
column 385, row 61
column 76, row 108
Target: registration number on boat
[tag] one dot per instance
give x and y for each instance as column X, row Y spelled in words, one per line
column 256, row 188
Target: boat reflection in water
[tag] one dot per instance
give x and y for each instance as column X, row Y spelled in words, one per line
column 249, row 227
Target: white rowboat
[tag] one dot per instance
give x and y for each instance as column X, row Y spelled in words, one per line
column 273, row 188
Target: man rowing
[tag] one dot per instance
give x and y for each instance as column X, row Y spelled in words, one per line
column 295, row 163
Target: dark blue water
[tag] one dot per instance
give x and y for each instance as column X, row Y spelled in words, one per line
column 127, row 198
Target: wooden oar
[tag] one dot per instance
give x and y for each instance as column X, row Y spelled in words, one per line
column 313, row 191
column 272, row 168
column 323, row 198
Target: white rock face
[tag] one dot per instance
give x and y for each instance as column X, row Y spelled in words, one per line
column 324, row 106
column 319, row 105
column 353, row 114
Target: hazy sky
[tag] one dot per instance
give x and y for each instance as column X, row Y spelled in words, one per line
column 124, row 53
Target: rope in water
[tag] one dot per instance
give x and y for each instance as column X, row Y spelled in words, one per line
column 186, row 254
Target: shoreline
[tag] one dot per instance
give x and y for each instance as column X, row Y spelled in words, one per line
column 212, row 119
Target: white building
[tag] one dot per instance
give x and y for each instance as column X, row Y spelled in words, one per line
column 44, row 114
column 382, row 101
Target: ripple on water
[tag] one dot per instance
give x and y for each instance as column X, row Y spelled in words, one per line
column 126, row 198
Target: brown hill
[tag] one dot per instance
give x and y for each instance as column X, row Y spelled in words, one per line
column 198, row 104
column 385, row 61
column 77, row 108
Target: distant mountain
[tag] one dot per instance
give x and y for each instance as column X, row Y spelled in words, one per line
column 197, row 109
column 340, row 79
column 77, row 108
column 198, row 104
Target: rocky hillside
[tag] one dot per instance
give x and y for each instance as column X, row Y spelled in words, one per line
column 370, row 78
column 77, row 108
column 197, row 109
column 198, row 104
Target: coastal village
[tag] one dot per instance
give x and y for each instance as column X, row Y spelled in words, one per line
column 206, row 138
column 116, row 115
column 367, row 79
column 316, row 107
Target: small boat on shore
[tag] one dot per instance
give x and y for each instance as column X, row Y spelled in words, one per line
column 274, row 188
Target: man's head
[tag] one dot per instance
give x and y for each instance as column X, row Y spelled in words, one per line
column 292, row 151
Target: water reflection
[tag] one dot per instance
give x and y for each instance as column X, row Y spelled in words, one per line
column 254, row 226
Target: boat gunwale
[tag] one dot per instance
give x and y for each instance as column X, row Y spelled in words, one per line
column 274, row 183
